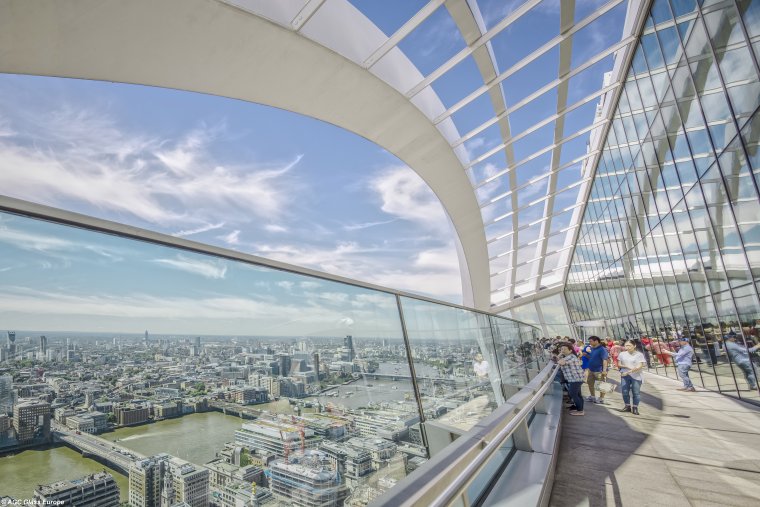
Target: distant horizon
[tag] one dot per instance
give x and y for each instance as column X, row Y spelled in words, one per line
column 26, row 333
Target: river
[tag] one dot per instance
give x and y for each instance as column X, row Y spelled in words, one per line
column 21, row 473
column 194, row 437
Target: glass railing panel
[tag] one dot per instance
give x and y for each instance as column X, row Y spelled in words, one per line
column 490, row 471
column 510, row 354
column 455, row 366
column 317, row 368
column 532, row 352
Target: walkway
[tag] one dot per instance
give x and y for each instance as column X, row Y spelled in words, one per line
column 685, row 449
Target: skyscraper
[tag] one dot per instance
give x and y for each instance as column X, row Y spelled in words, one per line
column 145, row 341
column 6, row 394
column 349, row 354
column 43, row 344
column 316, row 363
column 11, row 344
column 285, row 363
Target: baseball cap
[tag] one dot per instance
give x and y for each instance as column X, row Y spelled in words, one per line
column 684, row 339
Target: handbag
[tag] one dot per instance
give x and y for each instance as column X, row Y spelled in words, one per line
column 605, row 387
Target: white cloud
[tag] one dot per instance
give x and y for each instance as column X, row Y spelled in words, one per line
column 288, row 286
column 366, row 225
column 232, row 238
column 83, row 156
column 198, row 230
column 52, row 245
column 405, row 195
column 275, row 228
column 208, row 269
column 5, row 128
column 431, row 271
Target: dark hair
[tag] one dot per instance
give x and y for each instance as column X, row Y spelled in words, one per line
column 595, row 338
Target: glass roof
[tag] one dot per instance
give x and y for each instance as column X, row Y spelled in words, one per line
column 516, row 87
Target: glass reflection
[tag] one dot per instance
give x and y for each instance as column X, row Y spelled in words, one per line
column 688, row 232
column 314, row 367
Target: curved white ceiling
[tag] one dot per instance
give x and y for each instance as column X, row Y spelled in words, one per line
column 508, row 147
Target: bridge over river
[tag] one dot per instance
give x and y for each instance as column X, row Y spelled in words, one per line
column 109, row 453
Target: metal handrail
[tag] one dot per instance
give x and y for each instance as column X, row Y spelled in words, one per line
column 458, row 469
column 466, row 476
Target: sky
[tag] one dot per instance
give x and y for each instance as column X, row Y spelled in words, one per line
column 218, row 171
column 257, row 180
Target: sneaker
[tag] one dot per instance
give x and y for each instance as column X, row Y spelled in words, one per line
column 590, row 398
column 600, row 401
column 572, row 407
column 577, row 412
column 635, row 410
column 691, row 389
column 626, row 408
column 682, row 389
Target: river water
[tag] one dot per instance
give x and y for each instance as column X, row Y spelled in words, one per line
column 195, row 437
column 21, row 473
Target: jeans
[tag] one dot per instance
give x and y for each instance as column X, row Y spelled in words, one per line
column 629, row 383
column 683, row 372
column 746, row 367
column 574, row 390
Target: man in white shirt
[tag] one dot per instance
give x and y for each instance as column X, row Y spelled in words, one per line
column 631, row 362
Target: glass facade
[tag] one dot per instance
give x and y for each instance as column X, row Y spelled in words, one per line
column 670, row 240
column 357, row 372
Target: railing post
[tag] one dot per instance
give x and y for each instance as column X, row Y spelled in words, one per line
column 521, row 437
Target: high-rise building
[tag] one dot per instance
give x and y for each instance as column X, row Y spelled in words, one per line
column 11, row 345
column 284, row 361
column 96, row 490
column 163, row 481
column 43, row 345
column 145, row 341
column 307, row 479
column 31, row 420
column 348, row 344
column 6, row 394
column 145, row 481
column 275, row 437
column 190, row 483
column 315, row 359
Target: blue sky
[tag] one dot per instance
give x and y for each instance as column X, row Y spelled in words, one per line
column 273, row 183
column 219, row 171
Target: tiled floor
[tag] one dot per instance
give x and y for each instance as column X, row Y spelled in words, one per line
column 685, row 449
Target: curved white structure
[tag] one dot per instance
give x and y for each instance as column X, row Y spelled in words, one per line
column 327, row 60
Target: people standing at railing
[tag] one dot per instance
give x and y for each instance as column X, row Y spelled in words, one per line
column 598, row 362
column 615, row 351
column 572, row 373
column 683, row 359
column 631, row 363
column 660, row 351
column 740, row 356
